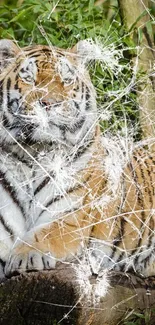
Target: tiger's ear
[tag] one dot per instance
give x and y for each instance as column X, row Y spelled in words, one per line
column 81, row 48
column 87, row 50
column 8, row 50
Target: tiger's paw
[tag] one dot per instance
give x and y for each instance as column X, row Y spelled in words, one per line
column 31, row 261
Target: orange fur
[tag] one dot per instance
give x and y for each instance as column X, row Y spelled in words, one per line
column 127, row 221
column 67, row 236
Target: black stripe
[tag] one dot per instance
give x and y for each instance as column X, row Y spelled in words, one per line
column 42, row 184
column 150, row 242
column 8, row 85
column 71, row 129
column 59, row 197
column 146, row 259
column 141, row 203
column 19, row 263
column 145, row 185
column 77, row 125
column 53, row 200
column 118, row 239
column 138, row 161
column 37, row 52
column 5, row 121
column 28, row 163
column 9, row 189
column 77, row 86
column 87, row 97
column 25, row 133
column 150, row 172
column 143, row 214
column 16, row 68
column 16, row 86
column 7, row 228
column 152, row 249
column 31, row 260
column 2, row 262
column 43, row 262
column 81, row 150
column 83, row 88
column 119, row 261
column 1, row 93
column 76, row 105
column 151, row 231
column 139, row 192
column 153, row 161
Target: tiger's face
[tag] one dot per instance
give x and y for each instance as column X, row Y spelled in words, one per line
column 45, row 95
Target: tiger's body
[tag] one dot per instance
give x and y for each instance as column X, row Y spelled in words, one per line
column 56, row 194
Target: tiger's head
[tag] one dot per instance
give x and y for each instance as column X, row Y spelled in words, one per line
column 45, row 94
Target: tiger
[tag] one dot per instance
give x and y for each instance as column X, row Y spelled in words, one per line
column 64, row 191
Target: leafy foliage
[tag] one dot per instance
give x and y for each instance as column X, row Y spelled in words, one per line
column 136, row 318
column 62, row 23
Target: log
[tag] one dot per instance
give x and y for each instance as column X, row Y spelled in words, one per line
column 136, row 18
column 59, row 297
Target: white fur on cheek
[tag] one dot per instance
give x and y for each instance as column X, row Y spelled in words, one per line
column 28, row 71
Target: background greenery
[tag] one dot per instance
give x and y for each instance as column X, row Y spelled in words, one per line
column 63, row 23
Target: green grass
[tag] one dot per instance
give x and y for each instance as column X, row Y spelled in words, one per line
column 63, row 23
column 139, row 318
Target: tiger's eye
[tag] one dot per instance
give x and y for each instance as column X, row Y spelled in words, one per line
column 14, row 105
column 66, row 71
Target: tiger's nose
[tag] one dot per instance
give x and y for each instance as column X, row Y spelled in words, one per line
column 46, row 104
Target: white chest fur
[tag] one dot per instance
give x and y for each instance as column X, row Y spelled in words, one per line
column 41, row 185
